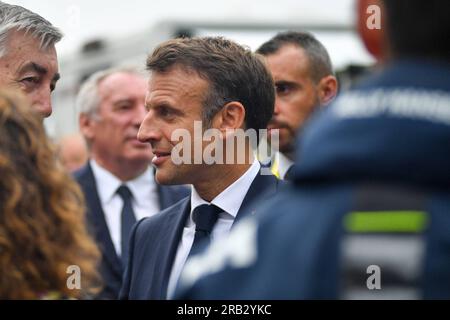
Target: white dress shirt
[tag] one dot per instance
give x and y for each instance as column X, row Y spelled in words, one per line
column 145, row 199
column 229, row 200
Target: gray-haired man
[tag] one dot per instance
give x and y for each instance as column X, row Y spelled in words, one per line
column 28, row 60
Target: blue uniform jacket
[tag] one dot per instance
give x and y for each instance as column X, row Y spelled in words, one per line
column 368, row 215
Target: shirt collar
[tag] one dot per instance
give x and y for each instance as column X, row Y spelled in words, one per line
column 139, row 186
column 143, row 185
column 284, row 163
column 263, row 157
column 230, row 199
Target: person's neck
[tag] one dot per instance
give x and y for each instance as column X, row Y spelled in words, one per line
column 220, row 179
column 124, row 171
column 290, row 155
column 288, row 151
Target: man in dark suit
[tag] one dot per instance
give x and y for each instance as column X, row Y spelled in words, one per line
column 118, row 181
column 304, row 81
column 199, row 86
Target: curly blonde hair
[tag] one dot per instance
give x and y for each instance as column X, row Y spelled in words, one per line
column 42, row 213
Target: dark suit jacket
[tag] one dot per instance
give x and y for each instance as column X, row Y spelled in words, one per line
column 111, row 268
column 154, row 242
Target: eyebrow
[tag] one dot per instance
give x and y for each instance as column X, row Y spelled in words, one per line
column 287, row 83
column 163, row 104
column 284, row 82
column 34, row 67
column 123, row 100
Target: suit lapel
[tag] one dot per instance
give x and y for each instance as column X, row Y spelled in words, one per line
column 162, row 194
column 262, row 187
column 97, row 220
column 171, row 233
column 163, row 197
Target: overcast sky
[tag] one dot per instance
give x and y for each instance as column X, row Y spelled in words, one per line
column 81, row 20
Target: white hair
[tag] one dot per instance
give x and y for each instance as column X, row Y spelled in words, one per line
column 88, row 98
column 14, row 17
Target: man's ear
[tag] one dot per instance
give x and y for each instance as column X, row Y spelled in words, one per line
column 231, row 116
column 327, row 89
column 86, row 125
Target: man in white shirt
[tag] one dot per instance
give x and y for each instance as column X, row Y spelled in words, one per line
column 118, row 181
column 304, row 81
column 228, row 88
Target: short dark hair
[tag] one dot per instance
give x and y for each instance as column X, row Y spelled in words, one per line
column 418, row 28
column 319, row 61
column 234, row 73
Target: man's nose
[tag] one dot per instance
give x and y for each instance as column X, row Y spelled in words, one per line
column 276, row 109
column 43, row 104
column 148, row 130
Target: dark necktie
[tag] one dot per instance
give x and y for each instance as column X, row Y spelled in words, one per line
column 205, row 217
column 127, row 220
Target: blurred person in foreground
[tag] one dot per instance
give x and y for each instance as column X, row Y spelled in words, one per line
column 28, row 60
column 304, row 82
column 118, row 180
column 42, row 221
column 368, row 215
